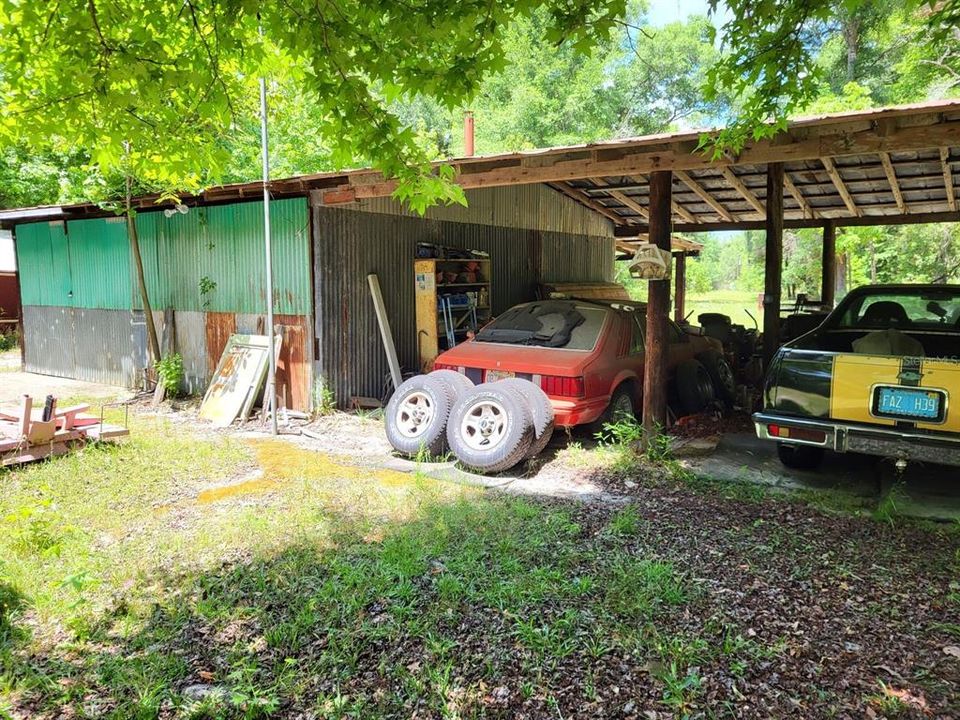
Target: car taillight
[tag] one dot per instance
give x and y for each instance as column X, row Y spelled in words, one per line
column 817, row 436
column 562, row 386
column 445, row 366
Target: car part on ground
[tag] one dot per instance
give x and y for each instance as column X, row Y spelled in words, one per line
column 695, row 390
column 416, row 417
column 541, row 411
column 800, row 457
column 458, row 382
column 721, row 375
column 490, row 428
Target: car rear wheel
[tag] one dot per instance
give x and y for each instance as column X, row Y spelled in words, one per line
column 490, row 428
column 800, row 457
column 416, row 416
column 541, row 411
column 694, row 388
column 619, row 408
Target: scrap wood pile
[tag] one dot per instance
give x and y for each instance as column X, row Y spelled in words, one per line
column 35, row 434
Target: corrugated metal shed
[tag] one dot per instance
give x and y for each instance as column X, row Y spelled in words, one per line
column 43, row 257
column 349, row 245
column 100, row 269
column 525, row 207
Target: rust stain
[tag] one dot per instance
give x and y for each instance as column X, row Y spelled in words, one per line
column 293, row 366
column 219, row 327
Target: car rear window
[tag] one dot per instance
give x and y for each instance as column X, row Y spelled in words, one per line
column 547, row 324
column 916, row 309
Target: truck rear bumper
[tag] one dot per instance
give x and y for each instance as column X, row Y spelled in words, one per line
column 847, row 437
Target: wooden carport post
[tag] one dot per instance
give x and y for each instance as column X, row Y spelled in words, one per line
column 774, row 262
column 680, row 289
column 658, row 311
column 828, row 270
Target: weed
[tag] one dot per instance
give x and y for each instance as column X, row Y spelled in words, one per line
column 680, row 689
column 625, row 522
column 887, row 509
column 324, row 401
column 888, row 702
column 206, row 286
column 170, row 373
column 641, row 588
column 37, row 529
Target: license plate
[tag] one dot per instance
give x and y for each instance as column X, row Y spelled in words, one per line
column 901, row 403
column 494, row 375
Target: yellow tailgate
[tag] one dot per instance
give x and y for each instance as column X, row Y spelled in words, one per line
column 854, row 377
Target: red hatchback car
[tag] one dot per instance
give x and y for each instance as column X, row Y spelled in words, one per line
column 587, row 356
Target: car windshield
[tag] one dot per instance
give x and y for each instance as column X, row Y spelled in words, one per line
column 551, row 323
column 922, row 308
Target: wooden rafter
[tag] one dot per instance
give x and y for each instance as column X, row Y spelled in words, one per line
column 676, row 208
column 705, row 195
column 744, row 191
column 948, row 178
column 582, row 197
column 892, row 179
column 805, row 206
column 622, row 198
column 841, row 186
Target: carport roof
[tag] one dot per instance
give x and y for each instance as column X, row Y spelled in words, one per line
column 888, row 166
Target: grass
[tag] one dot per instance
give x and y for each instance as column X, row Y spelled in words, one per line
column 279, row 576
column 734, row 303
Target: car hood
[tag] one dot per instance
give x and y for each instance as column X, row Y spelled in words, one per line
column 517, row 358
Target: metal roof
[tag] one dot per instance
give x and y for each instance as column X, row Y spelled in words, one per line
column 887, row 166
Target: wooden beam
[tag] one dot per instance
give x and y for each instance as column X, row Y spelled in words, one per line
column 680, row 288
column 773, row 264
column 583, row 198
column 828, row 266
column 948, row 178
column 917, row 218
column 892, row 179
column 744, row 191
column 705, row 196
column 656, row 347
column 808, row 211
column 622, row 198
column 841, row 186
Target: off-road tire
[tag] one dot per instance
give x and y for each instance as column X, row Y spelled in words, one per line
column 460, row 384
column 695, row 389
column 431, row 397
column 510, row 428
column 721, row 375
column 800, row 457
column 541, row 410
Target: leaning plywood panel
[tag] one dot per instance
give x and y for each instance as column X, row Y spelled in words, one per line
column 237, row 380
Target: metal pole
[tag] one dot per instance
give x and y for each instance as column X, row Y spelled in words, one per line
column 270, row 396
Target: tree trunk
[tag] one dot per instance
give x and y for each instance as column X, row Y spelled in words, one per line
column 841, row 287
column 153, row 343
column 851, row 37
column 873, row 264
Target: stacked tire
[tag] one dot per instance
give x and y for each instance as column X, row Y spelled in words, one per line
column 489, row 427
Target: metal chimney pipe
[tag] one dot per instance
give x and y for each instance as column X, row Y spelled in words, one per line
column 468, row 145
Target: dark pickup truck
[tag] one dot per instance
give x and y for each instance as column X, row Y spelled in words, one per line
column 876, row 377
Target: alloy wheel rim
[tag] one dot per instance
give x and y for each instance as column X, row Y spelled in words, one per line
column 415, row 414
column 484, row 426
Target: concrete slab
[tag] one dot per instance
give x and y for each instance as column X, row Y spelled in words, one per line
column 929, row 491
column 14, row 383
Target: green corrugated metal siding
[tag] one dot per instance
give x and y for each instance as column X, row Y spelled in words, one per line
column 43, row 261
column 223, row 243
column 100, row 263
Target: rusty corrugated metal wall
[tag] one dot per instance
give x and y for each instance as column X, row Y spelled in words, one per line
column 350, row 243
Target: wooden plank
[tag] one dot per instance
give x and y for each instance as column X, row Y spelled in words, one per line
column 841, row 186
column 798, row 196
column 828, row 266
column 948, row 178
column 656, row 349
column 26, row 405
column 892, row 179
column 386, row 336
column 427, row 317
column 705, row 195
column 585, row 199
column 744, row 191
column 293, row 364
column 773, row 265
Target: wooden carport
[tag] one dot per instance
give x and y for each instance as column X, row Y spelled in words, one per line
column 880, row 167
